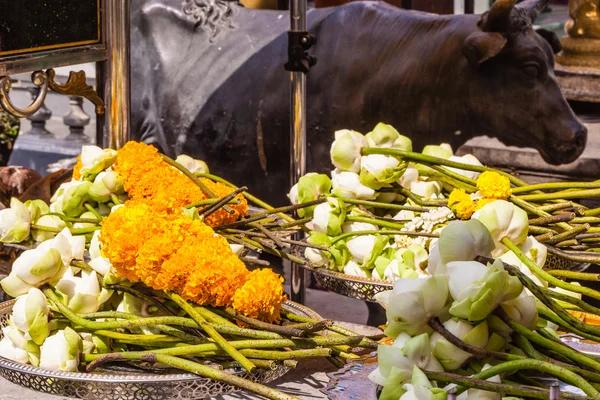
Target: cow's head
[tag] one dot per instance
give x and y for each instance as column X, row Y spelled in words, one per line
column 514, row 90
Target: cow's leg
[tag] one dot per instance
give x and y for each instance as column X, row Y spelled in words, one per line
column 377, row 315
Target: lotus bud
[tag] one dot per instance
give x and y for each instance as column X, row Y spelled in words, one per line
column 414, row 256
column 478, row 289
column 49, row 221
column 412, row 303
column 466, row 159
column 504, row 219
column 387, row 137
column 10, row 351
column 359, row 226
column 95, row 160
column 99, row 192
column 366, row 248
column 387, row 197
column 309, row 188
column 403, row 355
column 420, row 388
column 336, row 257
column 460, row 241
column 382, row 264
column 410, row 175
column 70, row 247
column 37, row 208
column 535, row 251
column 33, row 268
column 74, row 199
column 192, row 164
column 15, row 222
column 83, row 292
column 442, row 151
column 427, row 190
column 522, row 309
column 378, row 170
column 61, row 351
column 478, row 394
column 19, row 341
column 450, row 356
column 30, row 316
column 345, row 150
column 347, row 185
column 87, row 215
column 353, row 269
column 113, row 182
column 328, row 217
column 88, row 345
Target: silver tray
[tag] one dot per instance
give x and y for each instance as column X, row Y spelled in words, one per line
column 366, row 288
column 130, row 384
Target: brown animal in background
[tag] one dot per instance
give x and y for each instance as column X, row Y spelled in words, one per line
column 14, row 181
column 44, row 188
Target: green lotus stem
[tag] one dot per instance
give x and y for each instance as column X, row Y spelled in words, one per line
column 581, row 276
column 545, row 275
column 196, row 368
column 91, row 209
column 342, row 354
column 592, row 212
column 148, row 299
column 247, row 195
column 502, row 388
column 563, row 195
column 419, row 200
column 425, row 159
column 589, row 257
column 274, row 251
column 74, row 231
column 286, row 355
column 267, row 233
column 194, row 179
column 208, row 202
column 586, row 220
column 529, row 381
column 552, row 219
column 222, row 202
column 573, row 300
column 263, row 364
column 569, row 234
column 556, row 206
column 386, row 206
column 557, row 347
column 383, row 232
column 71, row 219
column 293, row 207
column 375, row 221
column 535, row 211
column 298, row 222
column 544, row 237
column 115, row 199
column 536, row 230
column 365, row 342
column 567, row 243
column 210, row 330
column 137, row 338
column 456, row 176
column 568, row 327
column 280, row 329
column 556, row 185
column 541, row 366
column 212, row 316
column 441, row 176
column 191, row 350
column 551, row 304
column 525, row 345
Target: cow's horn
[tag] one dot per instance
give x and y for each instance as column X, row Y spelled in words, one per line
column 533, row 7
column 497, row 19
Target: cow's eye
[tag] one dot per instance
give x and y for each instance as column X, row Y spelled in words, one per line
column 532, row 69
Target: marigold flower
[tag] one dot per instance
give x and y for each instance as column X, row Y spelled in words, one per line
column 77, row 169
column 461, row 203
column 482, row 202
column 261, row 297
column 148, row 178
column 492, row 185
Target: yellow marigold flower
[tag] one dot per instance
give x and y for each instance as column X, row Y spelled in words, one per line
column 482, row 202
column 261, row 297
column 492, row 185
column 149, row 179
column 77, row 169
column 461, row 203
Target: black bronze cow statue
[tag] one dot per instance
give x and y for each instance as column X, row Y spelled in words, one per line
column 208, row 80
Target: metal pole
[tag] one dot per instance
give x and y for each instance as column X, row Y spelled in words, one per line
column 298, row 134
column 114, row 76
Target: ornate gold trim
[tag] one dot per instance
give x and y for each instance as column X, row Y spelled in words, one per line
column 39, row 79
column 76, row 85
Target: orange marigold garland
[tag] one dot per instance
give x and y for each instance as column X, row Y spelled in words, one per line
column 149, row 179
column 170, row 251
column 77, row 169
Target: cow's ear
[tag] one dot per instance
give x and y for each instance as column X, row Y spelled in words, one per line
column 481, row 46
column 550, row 38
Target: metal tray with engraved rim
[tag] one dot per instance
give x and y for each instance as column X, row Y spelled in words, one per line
column 130, row 384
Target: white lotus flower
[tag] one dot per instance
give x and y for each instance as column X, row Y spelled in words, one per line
column 61, row 351
column 366, row 248
column 522, row 309
column 347, row 185
column 84, row 293
column 316, row 257
column 30, row 316
column 444, row 150
column 478, row 289
column 328, row 217
column 535, row 251
column 413, row 302
column 478, row 394
column 411, row 175
column 466, row 159
column 403, row 355
column 15, row 222
column 450, row 356
column 345, row 150
column 377, row 170
column 95, row 160
column 12, row 352
column 192, row 164
column 427, row 190
column 420, row 388
column 504, row 219
column 309, row 188
column 33, row 268
column 386, row 136
column 50, row 221
column 353, row 269
column 70, row 247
